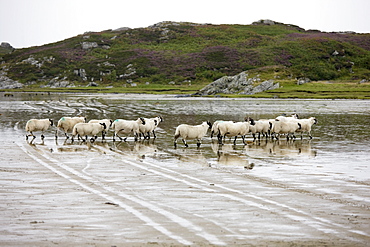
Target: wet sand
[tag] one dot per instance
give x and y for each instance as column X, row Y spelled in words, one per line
column 148, row 194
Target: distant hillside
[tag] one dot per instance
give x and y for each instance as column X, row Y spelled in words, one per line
column 183, row 52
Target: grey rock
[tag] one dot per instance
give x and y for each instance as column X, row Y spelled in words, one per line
column 363, row 81
column 89, row 45
column 303, row 80
column 57, row 83
column 7, row 83
column 93, row 84
column 238, row 84
column 81, row 73
column 121, row 29
column 264, row 86
column 6, row 45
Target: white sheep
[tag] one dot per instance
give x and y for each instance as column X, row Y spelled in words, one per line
column 190, row 132
column 306, row 125
column 284, row 118
column 150, row 125
column 67, row 123
column 88, row 129
column 284, row 127
column 214, row 129
column 126, row 127
column 231, row 129
column 108, row 123
column 37, row 125
column 261, row 126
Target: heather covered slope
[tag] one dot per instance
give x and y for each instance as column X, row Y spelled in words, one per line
column 183, row 53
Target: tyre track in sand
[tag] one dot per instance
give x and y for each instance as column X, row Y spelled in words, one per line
column 249, row 199
column 120, row 198
column 110, row 192
column 157, row 212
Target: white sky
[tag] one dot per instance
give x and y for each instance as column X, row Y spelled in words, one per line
column 25, row 23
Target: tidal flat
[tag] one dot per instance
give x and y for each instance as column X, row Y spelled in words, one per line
column 148, row 193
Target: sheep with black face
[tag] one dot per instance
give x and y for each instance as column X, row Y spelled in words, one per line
column 33, row 125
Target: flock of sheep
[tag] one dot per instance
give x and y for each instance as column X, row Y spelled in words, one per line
column 144, row 127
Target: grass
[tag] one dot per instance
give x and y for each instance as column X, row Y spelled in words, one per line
column 288, row 89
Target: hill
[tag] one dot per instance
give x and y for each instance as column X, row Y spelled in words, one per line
column 190, row 53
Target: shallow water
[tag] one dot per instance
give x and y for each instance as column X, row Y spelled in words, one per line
column 334, row 165
column 340, row 148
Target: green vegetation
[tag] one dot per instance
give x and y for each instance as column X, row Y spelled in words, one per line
column 183, row 57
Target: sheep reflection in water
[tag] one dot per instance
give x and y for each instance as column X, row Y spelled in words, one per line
column 283, row 148
column 141, row 148
column 190, row 157
column 229, row 155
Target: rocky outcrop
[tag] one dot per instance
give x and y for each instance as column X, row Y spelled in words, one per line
column 7, row 83
column 301, row 81
column 238, row 84
column 57, row 83
column 5, row 48
column 89, row 45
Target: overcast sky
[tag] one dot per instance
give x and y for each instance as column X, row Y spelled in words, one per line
column 25, row 23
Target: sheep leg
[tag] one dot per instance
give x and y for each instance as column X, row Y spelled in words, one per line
column 115, row 134
column 277, row 136
column 42, row 137
column 175, row 140
column 184, row 141
column 235, row 139
column 309, row 134
column 199, row 143
column 154, row 136
column 243, row 138
column 219, row 138
column 31, row 134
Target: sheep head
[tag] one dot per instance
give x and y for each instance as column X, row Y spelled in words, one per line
column 209, row 124
column 250, row 120
column 51, row 122
column 104, row 125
